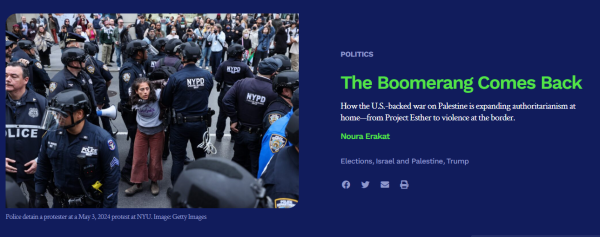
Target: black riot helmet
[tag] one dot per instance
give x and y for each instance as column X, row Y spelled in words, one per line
column 134, row 46
column 14, row 195
column 159, row 43
column 218, row 183
column 72, row 54
column 189, row 51
column 25, row 44
column 292, row 130
column 170, row 46
column 90, row 48
column 63, row 105
column 286, row 64
column 296, row 99
column 286, row 79
column 235, row 51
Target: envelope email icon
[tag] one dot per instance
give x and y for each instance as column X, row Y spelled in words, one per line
column 385, row 184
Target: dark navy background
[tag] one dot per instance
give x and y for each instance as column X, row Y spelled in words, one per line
column 537, row 175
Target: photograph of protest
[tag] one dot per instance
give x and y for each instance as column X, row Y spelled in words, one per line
column 152, row 110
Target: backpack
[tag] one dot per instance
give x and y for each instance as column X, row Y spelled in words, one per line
column 164, row 71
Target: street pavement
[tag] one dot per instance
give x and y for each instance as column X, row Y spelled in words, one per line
column 145, row 199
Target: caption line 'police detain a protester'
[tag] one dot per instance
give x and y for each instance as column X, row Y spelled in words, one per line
column 187, row 92
column 80, row 157
column 246, row 103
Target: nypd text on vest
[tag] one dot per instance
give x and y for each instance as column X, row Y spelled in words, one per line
column 195, row 83
column 255, row 99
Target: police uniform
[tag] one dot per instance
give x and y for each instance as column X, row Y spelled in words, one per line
column 187, row 92
column 130, row 71
column 281, row 178
column 149, row 64
column 64, row 79
column 24, row 135
column 277, row 109
column 228, row 73
column 273, row 141
column 59, row 155
column 169, row 60
column 246, row 103
column 100, row 75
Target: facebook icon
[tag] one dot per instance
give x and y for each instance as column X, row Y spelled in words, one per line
column 346, row 184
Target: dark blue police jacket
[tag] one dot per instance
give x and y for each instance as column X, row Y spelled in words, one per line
column 130, row 71
column 281, row 178
column 23, row 132
column 248, row 100
column 58, row 155
column 99, row 74
column 187, row 91
column 64, row 79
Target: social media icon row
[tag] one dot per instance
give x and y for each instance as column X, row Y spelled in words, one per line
column 383, row 184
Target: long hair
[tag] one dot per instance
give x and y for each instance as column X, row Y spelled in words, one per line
column 134, row 98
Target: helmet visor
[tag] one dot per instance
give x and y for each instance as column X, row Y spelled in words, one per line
column 151, row 50
column 54, row 119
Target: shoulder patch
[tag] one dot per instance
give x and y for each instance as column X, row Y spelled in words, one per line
column 105, row 67
column 111, row 145
column 274, row 117
column 91, row 69
column 285, row 202
column 126, row 77
column 52, row 87
column 276, row 142
column 114, row 162
column 38, row 64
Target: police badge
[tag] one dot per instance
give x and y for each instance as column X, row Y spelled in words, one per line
column 39, row 65
column 276, row 142
column 126, row 77
column 33, row 112
column 91, row 69
column 52, row 87
column 273, row 118
column 285, row 203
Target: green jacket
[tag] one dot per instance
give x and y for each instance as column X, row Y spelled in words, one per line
column 107, row 37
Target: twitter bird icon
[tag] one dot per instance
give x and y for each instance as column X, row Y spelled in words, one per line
column 365, row 184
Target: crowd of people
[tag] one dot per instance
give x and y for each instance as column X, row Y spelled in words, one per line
column 165, row 81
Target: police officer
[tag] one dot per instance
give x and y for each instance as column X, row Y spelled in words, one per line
column 284, row 84
column 131, row 69
column 39, row 78
column 73, row 77
column 281, row 174
column 286, row 64
column 83, row 156
column 101, row 79
column 173, row 58
column 24, row 111
column 218, row 178
column 159, row 44
column 227, row 74
column 274, row 139
column 187, row 92
column 246, row 103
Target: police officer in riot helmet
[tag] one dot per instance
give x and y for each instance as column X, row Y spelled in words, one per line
column 132, row 69
column 223, row 183
column 228, row 73
column 101, row 79
column 24, row 111
column 245, row 104
column 282, row 172
column 187, row 92
column 83, row 156
column 286, row 64
column 173, row 56
column 159, row 44
column 73, row 77
column 39, row 79
column 284, row 84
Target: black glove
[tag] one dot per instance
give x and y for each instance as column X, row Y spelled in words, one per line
column 41, row 201
column 218, row 86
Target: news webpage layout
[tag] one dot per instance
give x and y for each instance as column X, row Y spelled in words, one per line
column 421, row 119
